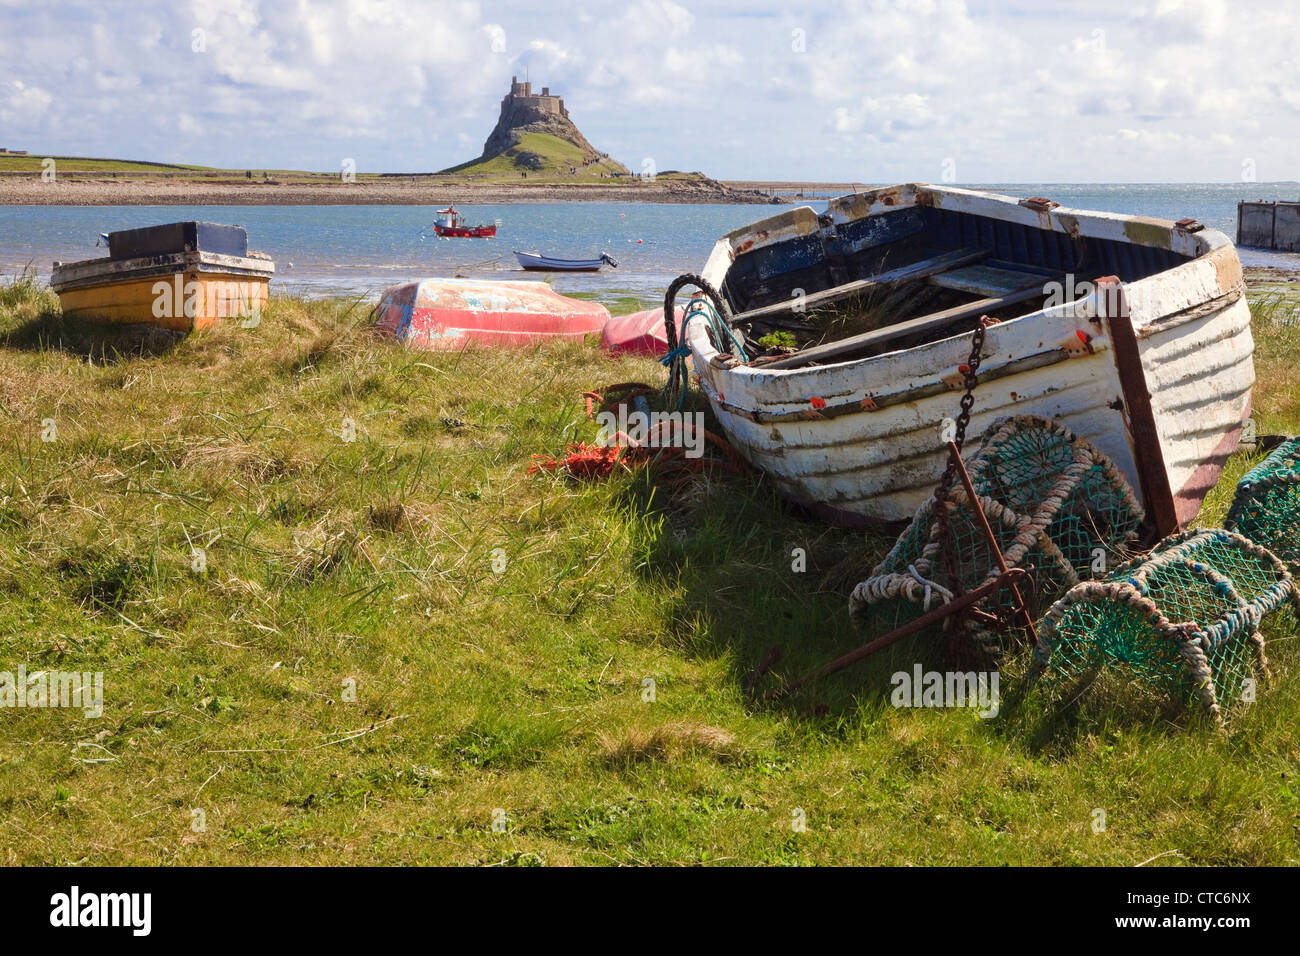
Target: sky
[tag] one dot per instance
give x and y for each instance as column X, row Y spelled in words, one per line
column 853, row 91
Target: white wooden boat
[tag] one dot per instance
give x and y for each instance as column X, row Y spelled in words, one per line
column 1133, row 332
column 538, row 262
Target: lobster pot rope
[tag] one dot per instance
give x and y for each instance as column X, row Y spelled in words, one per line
column 1266, row 506
column 1185, row 619
column 1057, row 507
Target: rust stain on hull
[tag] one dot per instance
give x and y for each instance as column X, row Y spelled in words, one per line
column 1227, row 266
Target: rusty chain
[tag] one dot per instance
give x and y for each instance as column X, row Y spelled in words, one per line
column 941, row 503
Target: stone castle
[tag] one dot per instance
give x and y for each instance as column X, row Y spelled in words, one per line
column 523, row 111
column 523, row 97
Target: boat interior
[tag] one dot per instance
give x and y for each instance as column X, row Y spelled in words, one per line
column 908, row 277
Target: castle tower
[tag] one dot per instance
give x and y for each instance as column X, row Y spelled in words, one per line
column 522, row 98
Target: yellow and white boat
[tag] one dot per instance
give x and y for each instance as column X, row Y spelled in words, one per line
column 181, row 276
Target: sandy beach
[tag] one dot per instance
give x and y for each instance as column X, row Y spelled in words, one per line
column 30, row 190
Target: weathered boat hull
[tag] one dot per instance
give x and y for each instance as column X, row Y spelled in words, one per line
column 451, row 313
column 1156, row 372
column 181, row 291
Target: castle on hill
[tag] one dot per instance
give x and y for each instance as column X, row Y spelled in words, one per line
column 523, row 111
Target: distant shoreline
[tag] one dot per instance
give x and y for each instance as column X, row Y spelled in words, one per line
column 31, row 191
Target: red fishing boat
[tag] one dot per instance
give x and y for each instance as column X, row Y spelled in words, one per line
column 449, row 225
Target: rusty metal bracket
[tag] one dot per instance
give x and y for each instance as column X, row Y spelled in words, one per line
column 1039, row 204
column 1140, row 422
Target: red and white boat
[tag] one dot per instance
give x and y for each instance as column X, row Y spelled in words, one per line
column 449, row 225
column 450, row 313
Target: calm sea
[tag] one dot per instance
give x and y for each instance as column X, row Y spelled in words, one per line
column 364, row 249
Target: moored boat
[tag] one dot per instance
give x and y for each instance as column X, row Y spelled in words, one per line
column 450, row 313
column 536, row 261
column 450, row 225
column 179, row 276
column 1133, row 332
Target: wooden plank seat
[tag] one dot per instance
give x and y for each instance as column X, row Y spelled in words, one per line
column 854, row 344
column 988, row 281
column 912, row 272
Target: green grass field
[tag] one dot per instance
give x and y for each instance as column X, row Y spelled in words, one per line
column 34, row 164
column 558, row 157
column 78, row 167
column 405, row 648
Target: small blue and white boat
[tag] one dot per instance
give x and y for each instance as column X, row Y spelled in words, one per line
column 536, row 261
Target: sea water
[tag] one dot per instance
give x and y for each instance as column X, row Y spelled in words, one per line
column 362, row 250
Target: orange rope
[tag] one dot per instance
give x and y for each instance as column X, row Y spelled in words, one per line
column 585, row 461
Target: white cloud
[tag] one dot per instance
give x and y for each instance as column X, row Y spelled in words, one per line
column 862, row 89
column 109, row 82
column 18, row 101
column 551, row 54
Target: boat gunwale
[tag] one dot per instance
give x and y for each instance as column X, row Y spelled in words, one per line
column 88, row 273
column 1205, row 241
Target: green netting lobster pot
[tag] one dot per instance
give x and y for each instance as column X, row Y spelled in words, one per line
column 1185, row 619
column 1052, row 500
column 1266, row 506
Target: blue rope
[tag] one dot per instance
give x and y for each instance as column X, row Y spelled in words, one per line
column 721, row 331
column 675, row 361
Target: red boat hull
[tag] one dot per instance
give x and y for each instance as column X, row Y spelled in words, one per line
column 465, row 232
column 451, row 313
column 641, row 333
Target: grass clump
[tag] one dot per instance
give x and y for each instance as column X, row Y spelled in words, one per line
column 668, row 741
column 779, row 340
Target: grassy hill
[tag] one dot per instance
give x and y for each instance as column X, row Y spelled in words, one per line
column 499, row 629
column 540, row 156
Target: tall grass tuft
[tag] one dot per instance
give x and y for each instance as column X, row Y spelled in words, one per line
column 1275, row 309
column 25, row 291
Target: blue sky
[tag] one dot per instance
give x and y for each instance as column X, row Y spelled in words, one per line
column 867, row 91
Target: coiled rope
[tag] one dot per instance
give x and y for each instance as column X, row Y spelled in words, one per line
column 710, row 306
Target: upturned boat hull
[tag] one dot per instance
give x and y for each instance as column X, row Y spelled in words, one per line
column 640, row 333
column 1153, row 364
column 451, row 313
